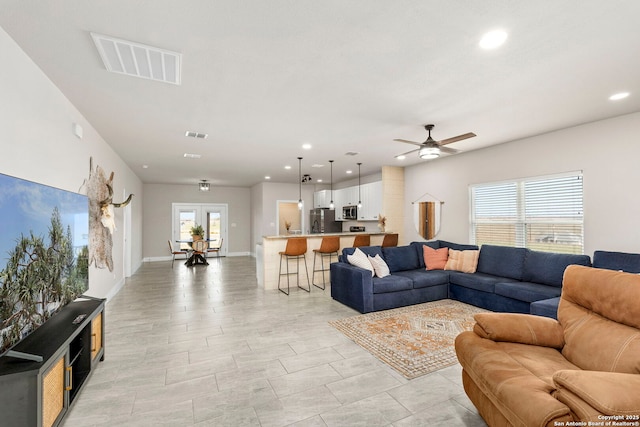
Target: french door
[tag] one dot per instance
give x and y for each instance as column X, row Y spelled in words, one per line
column 212, row 217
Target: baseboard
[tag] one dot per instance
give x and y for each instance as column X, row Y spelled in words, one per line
column 115, row 289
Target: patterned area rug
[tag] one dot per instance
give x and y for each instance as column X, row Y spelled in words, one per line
column 413, row 340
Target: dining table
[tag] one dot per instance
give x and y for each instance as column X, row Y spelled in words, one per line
column 195, row 257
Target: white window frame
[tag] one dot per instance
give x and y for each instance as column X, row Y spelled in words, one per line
column 569, row 210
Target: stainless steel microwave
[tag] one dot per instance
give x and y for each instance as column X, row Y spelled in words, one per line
column 349, row 212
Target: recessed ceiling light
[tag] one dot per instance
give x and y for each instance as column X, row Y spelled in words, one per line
column 267, row 177
column 192, row 156
column 318, row 180
column 349, row 171
column 145, row 166
column 317, row 165
column 493, row 39
column 287, row 167
column 619, row 96
column 401, row 157
column 306, row 146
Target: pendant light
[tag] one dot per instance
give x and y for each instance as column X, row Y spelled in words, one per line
column 359, row 199
column 300, row 183
column 331, row 205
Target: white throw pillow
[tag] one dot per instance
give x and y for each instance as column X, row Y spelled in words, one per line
column 360, row 259
column 379, row 266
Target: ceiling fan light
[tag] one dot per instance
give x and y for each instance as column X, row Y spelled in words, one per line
column 428, row 153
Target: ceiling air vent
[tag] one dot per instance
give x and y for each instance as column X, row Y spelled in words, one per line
column 138, row 60
column 193, row 134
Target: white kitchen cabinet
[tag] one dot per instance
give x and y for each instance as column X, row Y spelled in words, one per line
column 321, row 199
column 371, row 197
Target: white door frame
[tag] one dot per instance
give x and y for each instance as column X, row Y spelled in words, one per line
column 200, row 210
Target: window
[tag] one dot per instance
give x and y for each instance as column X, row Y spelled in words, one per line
column 541, row 213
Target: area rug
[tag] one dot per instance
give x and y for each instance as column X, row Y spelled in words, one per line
column 413, row 340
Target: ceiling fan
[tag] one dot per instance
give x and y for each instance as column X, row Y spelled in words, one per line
column 431, row 149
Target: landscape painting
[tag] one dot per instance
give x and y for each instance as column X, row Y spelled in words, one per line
column 44, row 235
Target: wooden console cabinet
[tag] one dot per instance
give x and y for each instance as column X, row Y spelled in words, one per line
column 70, row 344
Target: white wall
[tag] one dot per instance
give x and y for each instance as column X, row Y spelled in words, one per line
column 37, row 143
column 607, row 151
column 158, row 212
column 264, row 197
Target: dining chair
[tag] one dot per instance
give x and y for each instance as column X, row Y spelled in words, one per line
column 174, row 253
column 216, row 250
column 199, row 250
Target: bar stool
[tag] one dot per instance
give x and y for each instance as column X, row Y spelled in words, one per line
column 296, row 248
column 362, row 240
column 328, row 246
column 390, row 240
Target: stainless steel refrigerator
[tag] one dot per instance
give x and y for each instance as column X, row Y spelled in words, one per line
column 324, row 221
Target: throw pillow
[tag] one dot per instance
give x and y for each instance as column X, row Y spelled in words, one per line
column 465, row 261
column 379, row 266
column 360, row 259
column 435, row 259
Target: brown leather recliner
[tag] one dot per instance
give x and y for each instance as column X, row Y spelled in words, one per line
column 526, row 370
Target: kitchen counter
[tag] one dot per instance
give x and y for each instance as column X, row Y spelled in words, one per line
column 268, row 258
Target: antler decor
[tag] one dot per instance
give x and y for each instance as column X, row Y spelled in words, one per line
column 101, row 216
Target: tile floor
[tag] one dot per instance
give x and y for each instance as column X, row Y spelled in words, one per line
column 205, row 346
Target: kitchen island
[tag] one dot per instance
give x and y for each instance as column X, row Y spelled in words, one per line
column 268, row 258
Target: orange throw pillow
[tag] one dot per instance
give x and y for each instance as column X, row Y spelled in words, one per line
column 435, row 259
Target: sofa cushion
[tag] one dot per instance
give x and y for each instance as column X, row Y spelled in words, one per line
column 465, row 261
column 360, row 259
column 503, row 261
column 457, row 246
column 526, row 291
column 548, row 268
column 546, row 307
column 393, row 283
column 401, row 258
column 617, row 261
column 379, row 266
column 424, row 279
column 435, row 259
column 434, row 244
column 478, row 281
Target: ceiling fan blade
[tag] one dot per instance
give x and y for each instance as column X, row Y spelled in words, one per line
column 449, row 150
column 408, row 152
column 457, row 138
column 409, row 142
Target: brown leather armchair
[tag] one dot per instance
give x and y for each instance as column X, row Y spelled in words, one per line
column 526, row 370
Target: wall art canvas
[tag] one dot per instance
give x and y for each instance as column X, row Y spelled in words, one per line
column 44, row 236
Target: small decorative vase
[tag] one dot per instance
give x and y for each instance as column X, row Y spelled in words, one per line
column 381, row 227
column 196, row 237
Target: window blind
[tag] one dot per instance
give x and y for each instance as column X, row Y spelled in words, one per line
column 541, row 213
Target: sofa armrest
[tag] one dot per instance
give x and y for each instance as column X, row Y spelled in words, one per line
column 592, row 394
column 519, row 328
column 352, row 286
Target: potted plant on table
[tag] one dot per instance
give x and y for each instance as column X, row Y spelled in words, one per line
column 197, row 232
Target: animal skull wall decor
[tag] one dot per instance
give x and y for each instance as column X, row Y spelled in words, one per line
column 101, row 216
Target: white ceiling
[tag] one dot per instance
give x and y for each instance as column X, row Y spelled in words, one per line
column 264, row 77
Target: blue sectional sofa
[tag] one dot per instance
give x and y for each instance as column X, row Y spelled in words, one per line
column 507, row 279
column 619, row 261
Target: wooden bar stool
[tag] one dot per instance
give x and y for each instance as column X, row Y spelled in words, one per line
column 362, row 240
column 296, row 248
column 329, row 246
column 390, row 240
